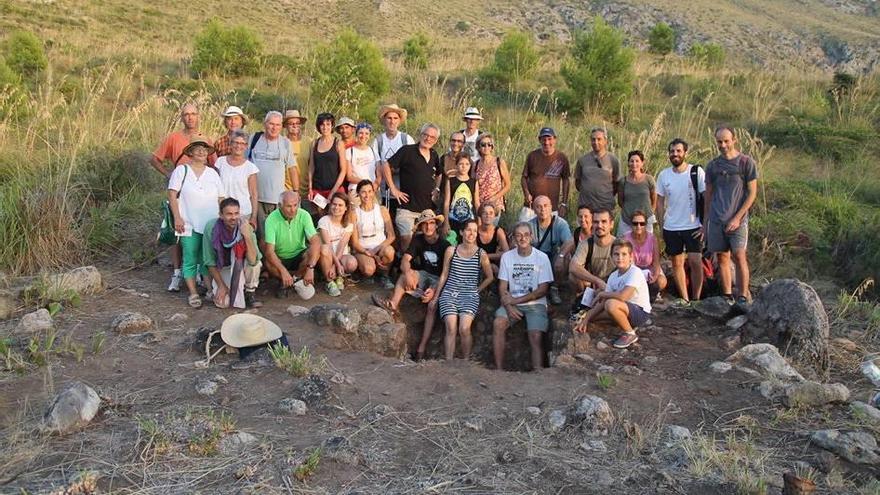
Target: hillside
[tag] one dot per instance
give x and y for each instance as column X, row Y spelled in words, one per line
column 839, row 34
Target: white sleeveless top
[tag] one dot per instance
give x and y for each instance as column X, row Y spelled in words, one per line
column 371, row 226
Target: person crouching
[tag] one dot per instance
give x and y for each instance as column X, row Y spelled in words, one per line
column 229, row 250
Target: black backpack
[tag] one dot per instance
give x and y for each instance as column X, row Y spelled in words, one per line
column 695, row 170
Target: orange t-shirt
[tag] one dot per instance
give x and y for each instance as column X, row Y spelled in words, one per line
column 172, row 147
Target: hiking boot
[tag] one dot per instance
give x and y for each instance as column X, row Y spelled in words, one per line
column 333, row 290
column 174, row 286
column 385, row 282
column 250, row 300
column 625, row 340
column 554, row 296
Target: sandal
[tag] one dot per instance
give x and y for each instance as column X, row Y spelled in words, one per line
column 194, row 301
column 384, row 304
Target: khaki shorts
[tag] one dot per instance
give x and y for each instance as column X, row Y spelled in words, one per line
column 404, row 221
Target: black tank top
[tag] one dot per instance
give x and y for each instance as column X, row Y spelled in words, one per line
column 326, row 167
column 490, row 247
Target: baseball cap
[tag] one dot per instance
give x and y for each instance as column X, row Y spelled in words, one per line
column 546, row 131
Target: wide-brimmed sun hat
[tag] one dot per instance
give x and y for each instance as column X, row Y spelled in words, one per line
column 198, row 139
column 344, row 121
column 426, row 216
column 384, row 109
column 472, row 113
column 293, row 114
column 232, row 111
column 247, row 330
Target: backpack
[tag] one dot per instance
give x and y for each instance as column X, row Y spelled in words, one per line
column 254, row 139
column 695, row 170
column 590, row 242
column 403, row 141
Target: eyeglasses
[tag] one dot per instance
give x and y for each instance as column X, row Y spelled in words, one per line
column 456, row 140
column 429, row 136
column 486, row 145
column 239, row 143
column 521, row 235
column 639, row 224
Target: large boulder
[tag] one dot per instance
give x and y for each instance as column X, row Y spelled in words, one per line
column 855, row 446
column 814, row 394
column 72, row 408
column 350, row 332
column 83, row 280
column 764, row 360
column 593, row 414
column 789, row 314
column 565, row 343
column 341, row 319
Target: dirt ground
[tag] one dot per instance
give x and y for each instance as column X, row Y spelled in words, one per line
column 391, row 426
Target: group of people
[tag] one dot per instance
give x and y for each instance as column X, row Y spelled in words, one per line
column 276, row 205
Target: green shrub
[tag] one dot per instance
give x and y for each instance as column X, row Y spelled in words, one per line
column 661, row 39
column 226, row 50
column 515, row 60
column 349, row 73
column 25, row 54
column 8, row 77
column 416, row 52
column 599, row 72
column 462, row 26
column 708, row 54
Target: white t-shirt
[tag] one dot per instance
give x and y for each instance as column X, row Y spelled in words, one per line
column 388, row 148
column 470, row 143
column 199, row 199
column 235, row 181
column 335, row 232
column 679, row 199
column 634, row 277
column 371, row 226
column 525, row 274
column 363, row 164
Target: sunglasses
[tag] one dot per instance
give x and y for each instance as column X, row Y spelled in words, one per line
column 487, row 145
column 639, row 224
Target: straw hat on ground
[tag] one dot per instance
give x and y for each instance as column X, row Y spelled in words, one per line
column 247, row 330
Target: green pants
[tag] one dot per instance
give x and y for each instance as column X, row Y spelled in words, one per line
column 191, row 248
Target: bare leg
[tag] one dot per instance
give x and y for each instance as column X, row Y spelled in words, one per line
column 191, row 285
column 404, row 241
column 326, row 261
column 398, row 293
column 741, row 262
column 619, row 312
column 449, row 341
column 724, row 277
column 537, row 353
column 366, row 265
column 430, row 318
column 695, row 260
column 175, row 256
column 464, row 329
column 499, row 330
column 678, row 273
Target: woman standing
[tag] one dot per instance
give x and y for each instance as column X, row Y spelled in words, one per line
column 327, row 164
column 458, row 290
column 491, row 239
column 194, row 193
column 646, row 252
column 239, row 176
column 492, row 173
column 636, row 191
column 362, row 160
column 336, row 229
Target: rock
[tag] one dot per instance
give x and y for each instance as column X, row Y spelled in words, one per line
column 236, row 442
column 177, row 318
column 340, row 449
column 8, row 304
column 312, row 390
column 606, row 369
column 720, row 367
column 341, row 319
column 814, row 394
column 389, row 339
column 765, row 360
column 377, row 316
column 83, row 280
column 714, row 307
column 565, row 342
column 593, row 414
column 130, row 322
column 730, row 343
column 675, row 435
column 557, row 419
column 534, row 411
column 38, row 321
column 474, row 423
column 855, row 446
column 594, row 446
column 586, row 358
column 293, row 406
column 845, row 344
column 789, row 314
column 72, row 408
column 771, row 389
column 736, row 322
column 865, row 412
column 631, row 370
column 297, row 310
column 601, row 346
column 206, row 387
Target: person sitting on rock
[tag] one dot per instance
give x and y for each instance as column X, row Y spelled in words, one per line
column 229, row 251
column 420, row 270
column 552, row 236
column 591, row 263
column 625, row 297
column 292, row 247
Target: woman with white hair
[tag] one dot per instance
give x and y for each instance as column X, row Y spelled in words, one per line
column 239, row 176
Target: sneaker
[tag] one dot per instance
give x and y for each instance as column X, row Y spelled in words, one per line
column 625, row 340
column 554, row 296
column 174, row 286
column 250, row 300
column 340, row 282
column 385, row 282
column 333, row 290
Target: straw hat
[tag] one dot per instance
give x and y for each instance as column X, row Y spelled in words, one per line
column 246, row 330
column 344, row 121
column 384, row 109
column 293, row 114
column 198, row 139
column 425, row 216
column 232, row 111
column 472, row 113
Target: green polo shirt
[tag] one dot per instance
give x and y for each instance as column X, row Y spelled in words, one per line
column 209, row 256
column 290, row 237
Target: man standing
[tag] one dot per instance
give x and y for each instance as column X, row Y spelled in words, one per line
column 591, row 263
column 472, row 119
column 229, row 251
column 547, row 171
column 233, row 119
column 597, row 173
column 731, row 188
column 524, row 278
column 272, row 153
column 680, row 191
column 552, row 236
column 386, row 144
column 420, row 172
column 302, row 148
column 171, row 151
column 292, row 247
column 345, row 129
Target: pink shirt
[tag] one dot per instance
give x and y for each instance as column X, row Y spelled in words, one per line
column 643, row 256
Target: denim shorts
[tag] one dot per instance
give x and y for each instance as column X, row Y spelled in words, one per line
column 535, row 316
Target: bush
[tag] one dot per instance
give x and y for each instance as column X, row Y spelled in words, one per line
column 661, row 39
column 7, row 75
column 708, row 54
column 349, row 73
column 25, row 54
column 515, row 60
column 415, row 52
column 599, row 72
column 227, row 50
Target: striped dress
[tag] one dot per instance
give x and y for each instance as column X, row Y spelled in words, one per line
column 459, row 295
